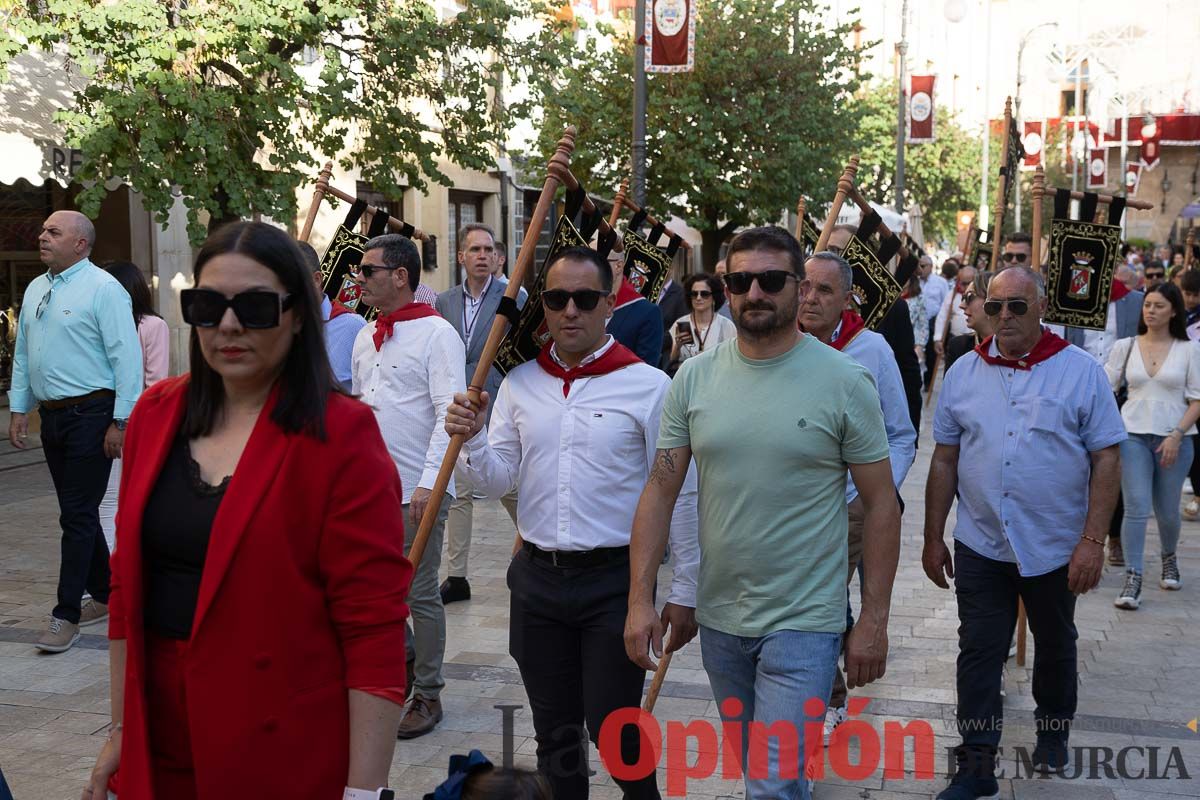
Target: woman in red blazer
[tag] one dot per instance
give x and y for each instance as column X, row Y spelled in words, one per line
column 257, row 610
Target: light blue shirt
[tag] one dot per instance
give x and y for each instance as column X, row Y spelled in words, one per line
column 340, row 333
column 84, row 341
column 1024, row 465
column 873, row 352
column 933, row 292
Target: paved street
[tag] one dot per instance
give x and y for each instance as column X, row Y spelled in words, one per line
column 1139, row 682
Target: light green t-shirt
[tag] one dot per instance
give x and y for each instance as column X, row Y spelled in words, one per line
column 772, row 440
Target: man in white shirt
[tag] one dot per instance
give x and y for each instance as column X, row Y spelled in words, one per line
column 934, row 289
column 575, row 431
column 407, row 368
column 952, row 308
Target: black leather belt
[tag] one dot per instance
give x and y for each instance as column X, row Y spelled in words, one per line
column 68, row 402
column 574, row 559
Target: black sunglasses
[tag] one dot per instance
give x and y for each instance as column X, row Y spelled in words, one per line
column 1019, row 308
column 1156, row 274
column 585, row 299
column 367, row 270
column 255, row 309
column 701, row 293
column 770, row 281
column 1020, row 258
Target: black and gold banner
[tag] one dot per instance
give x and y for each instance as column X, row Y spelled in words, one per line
column 1083, row 259
column 875, row 289
column 647, row 267
column 809, row 235
column 344, row 253
column 980, row 256
column 1016, row 154
column 525, row 340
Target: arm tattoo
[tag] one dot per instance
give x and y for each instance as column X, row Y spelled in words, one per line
column 664, row 465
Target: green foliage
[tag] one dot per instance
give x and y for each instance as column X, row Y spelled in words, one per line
column 942, row 175
column 763, row 118
column 234, row 103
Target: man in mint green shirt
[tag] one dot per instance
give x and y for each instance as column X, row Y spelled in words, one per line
column 773, row 419
column 79, row 359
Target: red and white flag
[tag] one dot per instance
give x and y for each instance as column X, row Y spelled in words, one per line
column 670, row 35
column 921, row 108
column 1034, row 142
column 1133, row 176
column 1097, row 167
column 1151, row 132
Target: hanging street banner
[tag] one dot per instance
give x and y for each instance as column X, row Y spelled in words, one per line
column 1034, row 141
column 1097, row 168
column 921, row 109
column 1151, row 133
column 670, row 35
column 1133, row 176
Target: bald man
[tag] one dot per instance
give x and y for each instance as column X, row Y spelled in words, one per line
column 79, row 360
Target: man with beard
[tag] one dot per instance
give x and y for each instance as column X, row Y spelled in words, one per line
column 771, row 599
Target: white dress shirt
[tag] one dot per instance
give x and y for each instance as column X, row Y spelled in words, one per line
column 409, row 383
column 951, row 305
column 1099, row 344
column 579, row 463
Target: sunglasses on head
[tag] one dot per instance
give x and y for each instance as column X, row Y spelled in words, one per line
column 1019, row 308
column 701, row 293
column 585, row 299
column 770, row 281
column 1019, row 258
column 367, row 270
column 255, row 309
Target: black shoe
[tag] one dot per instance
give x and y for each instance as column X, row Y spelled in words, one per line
column 455, row 589
column 1051, row 753
column 965, row 787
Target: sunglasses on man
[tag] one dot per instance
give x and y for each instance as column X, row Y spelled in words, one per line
column 1019, row 308
column 585, row 299
column 1015, row 258
column 771, row 281
column 1153, row 275
column 256, row 309
column 367, row 270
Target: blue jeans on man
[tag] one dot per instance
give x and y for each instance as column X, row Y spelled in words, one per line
column 772, row 677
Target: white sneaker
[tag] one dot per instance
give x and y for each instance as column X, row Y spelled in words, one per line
column 833, row 717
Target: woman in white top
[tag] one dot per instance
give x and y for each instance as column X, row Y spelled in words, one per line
column 155, row 338
column 703, row 328
column 1161, row 367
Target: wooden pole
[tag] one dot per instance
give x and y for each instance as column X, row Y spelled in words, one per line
column 1140, row 205
column 619, row 203
column 660, row 674
column 845, row 186
column 558, row 172
column 1188, row 244
column 998, row 230
column 318, row 195
column 1039, row 191
column 801, row 207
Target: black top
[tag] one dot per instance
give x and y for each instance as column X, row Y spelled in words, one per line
column 959, row 346
column 175, row 531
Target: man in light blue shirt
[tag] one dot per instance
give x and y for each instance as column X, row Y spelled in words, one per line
column 1027, row 432
column 824, row 314
column 341, row 324
column 79, row 359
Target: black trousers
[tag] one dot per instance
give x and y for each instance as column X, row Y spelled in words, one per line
column 73, row 443
column 987, row 594
column 930, row 353
column 1114, row 525
column 1194, row 473
column 567, row 634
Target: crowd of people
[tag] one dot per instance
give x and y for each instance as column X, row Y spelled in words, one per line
column 296, row 459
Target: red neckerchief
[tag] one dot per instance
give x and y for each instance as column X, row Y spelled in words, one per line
column 414, row 310
column 616, row 357
column 626, row 294
column 1047, row 346
column 851, row 325
column 960, row 288
column 1119, row 290
column 337, row 309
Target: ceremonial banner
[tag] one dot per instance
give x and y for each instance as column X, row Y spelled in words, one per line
column 875, row 290
column 1033, row 142
column 670, row 35
column 1015, row 153
column 1150, row 136
column 1133, row 176
column 344, row 253
column 1082, row 260
column 1097, row 168
column 921, row 109
column 809, row 234
column 646, row 266
column 525, row 339
column 980, row 253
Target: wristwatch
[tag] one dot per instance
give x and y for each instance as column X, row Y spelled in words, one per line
column 367, row 794
column 120, row 424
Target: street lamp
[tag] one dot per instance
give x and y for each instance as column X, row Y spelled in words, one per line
column 1016, row 178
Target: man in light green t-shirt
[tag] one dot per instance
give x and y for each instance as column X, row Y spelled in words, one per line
column 773, row 420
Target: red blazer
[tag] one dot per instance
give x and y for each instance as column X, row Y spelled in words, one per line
column 302, row 596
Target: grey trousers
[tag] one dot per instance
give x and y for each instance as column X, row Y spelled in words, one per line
column 425, row 634
column 462, row 520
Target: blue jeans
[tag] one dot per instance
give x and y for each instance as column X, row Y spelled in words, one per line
column 772, row 677
column 1144, row 482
